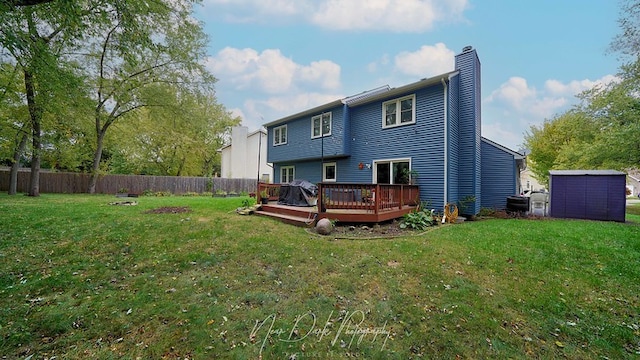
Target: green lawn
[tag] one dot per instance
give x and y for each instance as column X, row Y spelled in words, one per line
column 80, row 278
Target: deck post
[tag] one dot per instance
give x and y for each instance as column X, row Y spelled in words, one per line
column 377, row 199
column 320, row 200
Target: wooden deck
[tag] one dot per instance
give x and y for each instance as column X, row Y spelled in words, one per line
column 347, row 203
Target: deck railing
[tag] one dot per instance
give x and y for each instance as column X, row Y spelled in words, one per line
column 272, row 190
column 353, row 196
column 370, row 197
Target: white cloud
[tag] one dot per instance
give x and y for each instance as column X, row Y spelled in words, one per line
column 271, row 72
column 237, row 112
column 499, row 133
column 575, row 87
column 261, row 111
column 376, row 15
column 516, row 105
column 426, row 61
column 530, row 103
column 515, row 92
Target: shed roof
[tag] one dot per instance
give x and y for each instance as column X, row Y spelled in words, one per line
column 585, row 172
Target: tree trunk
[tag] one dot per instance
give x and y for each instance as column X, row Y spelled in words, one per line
column 35, row 116
column 95, row 168
column 15, row 164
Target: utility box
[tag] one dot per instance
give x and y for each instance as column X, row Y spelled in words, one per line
column 587, row 194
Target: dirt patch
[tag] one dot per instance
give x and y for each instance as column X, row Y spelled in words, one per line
column 386, row 229
column 169, row 210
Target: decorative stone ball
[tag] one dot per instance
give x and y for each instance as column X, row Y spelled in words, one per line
column 324, row 227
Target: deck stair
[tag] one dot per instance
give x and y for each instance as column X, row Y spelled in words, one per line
column 299, row 216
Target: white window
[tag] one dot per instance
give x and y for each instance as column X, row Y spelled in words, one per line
column 329, row 172
column 280, row 135
column 321, row 123
column 287, row 174
column 397, row 112
column 396, row 171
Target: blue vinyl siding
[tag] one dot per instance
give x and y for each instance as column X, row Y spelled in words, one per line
column 453, row 131
column 300, row 145
column 469, row 127
column 498, row 176
column 421, row 142
column 312, row 170
column 358, row 137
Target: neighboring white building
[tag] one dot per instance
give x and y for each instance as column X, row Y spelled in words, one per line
column 239, row 159
column 529, row 182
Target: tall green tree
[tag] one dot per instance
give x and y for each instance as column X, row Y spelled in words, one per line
column 14, row 124
column 34, row 38
column 553, row 143
column 180, row 138
column 141, row 44
column 603, row 132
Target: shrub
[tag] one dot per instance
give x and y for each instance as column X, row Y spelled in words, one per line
column 418, row 220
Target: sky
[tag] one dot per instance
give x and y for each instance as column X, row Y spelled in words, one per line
column 274, row 58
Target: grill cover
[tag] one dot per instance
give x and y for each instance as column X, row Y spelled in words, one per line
column 298, row 193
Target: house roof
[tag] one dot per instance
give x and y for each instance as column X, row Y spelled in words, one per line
column 515, row 154
column 585, row 172
column 368, row 96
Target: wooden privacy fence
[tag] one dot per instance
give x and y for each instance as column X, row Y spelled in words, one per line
column 70, row 183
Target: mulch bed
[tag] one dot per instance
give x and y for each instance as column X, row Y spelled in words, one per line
column 169, row 210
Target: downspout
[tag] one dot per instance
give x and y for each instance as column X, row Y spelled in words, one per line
column 446, row 143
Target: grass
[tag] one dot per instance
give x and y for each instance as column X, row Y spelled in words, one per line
column 80, row 278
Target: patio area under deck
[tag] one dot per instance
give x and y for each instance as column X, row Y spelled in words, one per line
column 347, row 203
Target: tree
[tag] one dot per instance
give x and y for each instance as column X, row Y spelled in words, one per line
column 601, row 133
column 180, row 138
column 34, row 37
column 14, row 126
column 142, row 44
column 554, row 143
column 627, row 42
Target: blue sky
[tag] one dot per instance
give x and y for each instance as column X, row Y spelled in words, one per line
column 274, row 58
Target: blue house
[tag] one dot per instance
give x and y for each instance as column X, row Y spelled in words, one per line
column 427, row 131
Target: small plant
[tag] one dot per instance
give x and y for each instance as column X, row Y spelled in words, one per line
column 221, row 193
column 264, row 194
column 123, row 190
column 465, row 202
column 246, row 203
column 418, row 220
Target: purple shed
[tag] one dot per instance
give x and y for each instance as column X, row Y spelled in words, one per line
column 587, row 194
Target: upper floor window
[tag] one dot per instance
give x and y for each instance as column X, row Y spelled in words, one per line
column 280, row 135
column 397, row 112
column 321, row 125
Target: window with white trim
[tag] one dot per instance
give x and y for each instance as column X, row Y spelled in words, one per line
column 329, row 171
column 287, row 174
column 398, row 112
column 321, row 124
column 280, row 135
